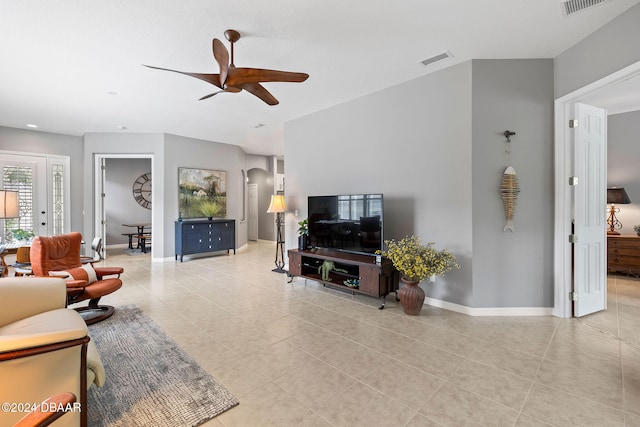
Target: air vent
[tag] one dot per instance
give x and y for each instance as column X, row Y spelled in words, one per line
column 436, row 58
column 571, row 7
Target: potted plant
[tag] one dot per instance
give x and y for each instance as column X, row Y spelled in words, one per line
column 211, row 209
column 303, row 234
column 21, row 234
column 416, row 262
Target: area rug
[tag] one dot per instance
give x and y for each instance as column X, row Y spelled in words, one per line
column 150, row 380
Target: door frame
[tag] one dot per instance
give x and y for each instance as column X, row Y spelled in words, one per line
column 250, row 202
column 563, row 168
column 98, row 208
column 44, row 172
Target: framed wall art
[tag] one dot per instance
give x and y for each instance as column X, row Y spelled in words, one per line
column 202, row 193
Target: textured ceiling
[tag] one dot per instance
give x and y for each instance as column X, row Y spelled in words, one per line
column 74, row 66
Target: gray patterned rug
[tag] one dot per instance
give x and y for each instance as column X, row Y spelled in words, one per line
column 150, row 380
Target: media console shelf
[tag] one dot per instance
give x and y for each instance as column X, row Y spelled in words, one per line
column 376, row 280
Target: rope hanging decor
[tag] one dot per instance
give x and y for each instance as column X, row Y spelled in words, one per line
column 509, row 187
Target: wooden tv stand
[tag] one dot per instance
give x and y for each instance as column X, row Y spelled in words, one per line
column 376, row 280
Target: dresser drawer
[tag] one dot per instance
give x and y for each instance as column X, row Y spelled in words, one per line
column 623, row 242
column 621, row 260
column 623, row 253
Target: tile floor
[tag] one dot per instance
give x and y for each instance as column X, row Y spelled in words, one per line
column 298, row 354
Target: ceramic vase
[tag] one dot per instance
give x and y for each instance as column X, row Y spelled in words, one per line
column 411, row 297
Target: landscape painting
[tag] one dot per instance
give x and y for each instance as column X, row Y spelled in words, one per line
column 202, row 193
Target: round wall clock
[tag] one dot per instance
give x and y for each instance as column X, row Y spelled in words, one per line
column 142, row 190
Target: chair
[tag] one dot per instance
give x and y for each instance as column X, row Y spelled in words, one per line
column 44, row 348
column 60, row 256
column 96, row 246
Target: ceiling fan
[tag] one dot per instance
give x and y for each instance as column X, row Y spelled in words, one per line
column 234, row 79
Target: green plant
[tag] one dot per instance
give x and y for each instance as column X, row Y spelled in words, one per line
column 416, row 261
column 211, row 209
column 303, row 227
column 21, row 234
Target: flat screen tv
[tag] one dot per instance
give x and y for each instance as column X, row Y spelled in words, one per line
column 351, row 222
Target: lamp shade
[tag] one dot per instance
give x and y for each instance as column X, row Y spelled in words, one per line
column 277, row 204
column 617, row 196
column 9, row 204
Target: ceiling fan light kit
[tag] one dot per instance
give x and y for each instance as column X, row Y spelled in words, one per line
column 236, row 79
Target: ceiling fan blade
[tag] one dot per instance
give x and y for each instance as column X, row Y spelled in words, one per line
column 221, row 54
column 239, row 76
column 258, row 90
column 229, row 89
column 210, row 95
column 214, row 79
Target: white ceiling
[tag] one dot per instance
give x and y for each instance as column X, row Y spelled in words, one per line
column 74, row 66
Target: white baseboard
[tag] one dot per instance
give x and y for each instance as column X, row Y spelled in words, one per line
column 490, row 311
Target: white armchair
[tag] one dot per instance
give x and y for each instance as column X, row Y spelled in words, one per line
column 44, row 348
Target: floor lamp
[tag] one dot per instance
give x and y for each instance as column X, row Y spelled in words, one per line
column 278, row 207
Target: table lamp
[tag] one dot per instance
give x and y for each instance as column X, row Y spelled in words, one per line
column 9, row 204
column 8, row 209
column 278, row 207
column 615, row 196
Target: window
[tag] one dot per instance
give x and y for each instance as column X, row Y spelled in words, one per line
column 19, row 178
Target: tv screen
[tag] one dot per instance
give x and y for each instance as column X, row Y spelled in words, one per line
column 350, row 223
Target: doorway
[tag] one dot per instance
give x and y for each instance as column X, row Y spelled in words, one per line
column 124, row 196
column 253, row 212
column 563, row 197
column 43, row 186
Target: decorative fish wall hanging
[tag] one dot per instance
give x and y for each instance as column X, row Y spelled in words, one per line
column 509, row 190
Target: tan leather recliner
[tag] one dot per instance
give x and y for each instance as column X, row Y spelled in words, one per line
column 60, row 256
column 44, row 349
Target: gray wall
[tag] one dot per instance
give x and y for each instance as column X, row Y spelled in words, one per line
column 264, row 179
column 623, row 156
column 196, row 153
column 434, row 147
column 120, row 205
column 170, row 152
column 513, row 269
column 611, row 48
column 411, row 142
column 12, row 139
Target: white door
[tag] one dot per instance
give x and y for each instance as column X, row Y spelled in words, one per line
column 589, row 205
column 101, row 217
column 28, row 176
column 253, row 212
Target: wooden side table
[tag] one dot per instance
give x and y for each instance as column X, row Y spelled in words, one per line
column 12, row 249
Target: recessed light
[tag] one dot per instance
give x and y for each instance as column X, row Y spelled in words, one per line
column 32, row 126
column 112, row 92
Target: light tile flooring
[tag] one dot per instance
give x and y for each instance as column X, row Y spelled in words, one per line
column 298, row 354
